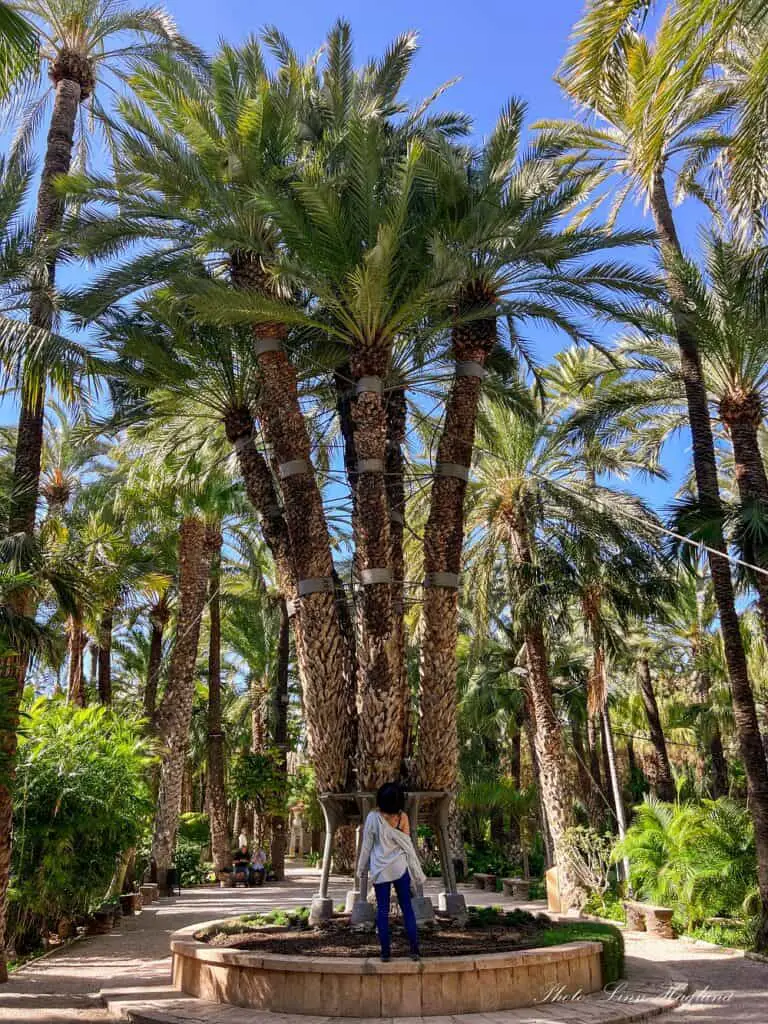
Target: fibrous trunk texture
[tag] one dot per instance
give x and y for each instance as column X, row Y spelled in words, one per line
column 437, row 759
column 664, row 784
column 742, row 414
column 104, row 674
column 76, row 641
column 221, row 848
column 174, row 715
column 705, row 470
column 380, row 721
column 278, row 823
column 158, row 620
column 553, row 779
column 321, row 658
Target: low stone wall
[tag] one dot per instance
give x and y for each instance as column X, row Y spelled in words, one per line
column 347, row 987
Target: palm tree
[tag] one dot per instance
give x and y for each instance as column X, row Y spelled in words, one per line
column 652, row 108
column 79, row 42
column 18, row 48
column 503, row 214
column 221, row 847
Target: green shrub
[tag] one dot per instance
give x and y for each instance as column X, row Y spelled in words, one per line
column 195, row 826
column 81, row 800
column 188, row 864
column 698, row 858
column 606, row 905
column 592, row 931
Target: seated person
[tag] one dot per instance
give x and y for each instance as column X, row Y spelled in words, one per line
column 259, row 866
column 241, row 863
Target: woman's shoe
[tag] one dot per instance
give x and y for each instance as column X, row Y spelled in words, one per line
column 415, row 956
column 386, row 959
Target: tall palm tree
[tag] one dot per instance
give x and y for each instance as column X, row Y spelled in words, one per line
column 503, row 214
column 650, row 109
column 79, row 42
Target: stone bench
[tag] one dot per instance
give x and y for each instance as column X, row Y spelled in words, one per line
column 150, row 892
column 517, row 888
column 642, row 917
column 487, row 882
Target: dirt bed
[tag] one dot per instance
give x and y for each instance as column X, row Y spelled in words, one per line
column 337, row 940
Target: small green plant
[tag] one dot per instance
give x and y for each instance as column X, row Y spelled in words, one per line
column 592, row 931
column 607, row 905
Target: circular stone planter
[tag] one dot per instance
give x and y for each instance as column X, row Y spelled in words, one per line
column 350, row 987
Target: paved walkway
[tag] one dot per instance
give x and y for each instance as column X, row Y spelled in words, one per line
column 132, row 964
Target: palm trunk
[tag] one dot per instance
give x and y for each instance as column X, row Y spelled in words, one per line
column 29, row 442
column 76, row 642
column 104, row 676
column 443, row 541
column 174, row 715
column 322, row 660
column 379, row 695
column 48, row 218
column 158, row 618
column 742, row 414
column 278, row 822
column 554, row 782
column 705, row 468
column 395, row 467
column 221, row 848
column 664, row 785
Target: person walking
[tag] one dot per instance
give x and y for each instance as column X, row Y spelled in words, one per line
column 388, row 854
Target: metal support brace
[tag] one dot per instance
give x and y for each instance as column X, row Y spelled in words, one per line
column 452, row 469
column 368, row 577
column 264, row 345
column 370, row 465
column 448, row 580
column 293, row 468
column 469, row 368
column 316, row 585
column 369, row 386
column 243, row 442
column 396, row 517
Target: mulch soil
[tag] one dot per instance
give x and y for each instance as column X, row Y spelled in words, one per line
column 336, row 939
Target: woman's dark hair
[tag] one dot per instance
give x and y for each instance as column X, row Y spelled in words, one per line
column 391, row 798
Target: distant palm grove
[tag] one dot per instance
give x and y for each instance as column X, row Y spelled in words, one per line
column 293, row 502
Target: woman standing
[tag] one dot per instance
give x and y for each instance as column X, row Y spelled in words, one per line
column 389, row 855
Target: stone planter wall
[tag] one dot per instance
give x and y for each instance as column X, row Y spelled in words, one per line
column 347, row 987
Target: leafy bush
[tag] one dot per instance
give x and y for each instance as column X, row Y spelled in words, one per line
column 187, row 861
column 740, row 935
column 698, row 858
column 592, row 931
column 195, row 826
column 607, row 905
column 81, row 800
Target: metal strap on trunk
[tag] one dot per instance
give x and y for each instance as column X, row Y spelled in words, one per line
column 368, row 577
column 293, row 468
column 452, row 469
column 448, row 580
column 243, row 442
column 369, row 386
column 316, row 585
column 469, row 368
column 264, row 345
column 370, row 465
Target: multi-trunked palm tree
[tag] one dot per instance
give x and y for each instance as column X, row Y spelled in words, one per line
column 347, row 242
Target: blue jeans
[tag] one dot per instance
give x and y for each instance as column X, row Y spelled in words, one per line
column 403, row 890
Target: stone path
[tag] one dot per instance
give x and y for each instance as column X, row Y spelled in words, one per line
column 126, row 972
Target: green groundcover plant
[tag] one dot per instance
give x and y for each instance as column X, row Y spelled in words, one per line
column 82, row 799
